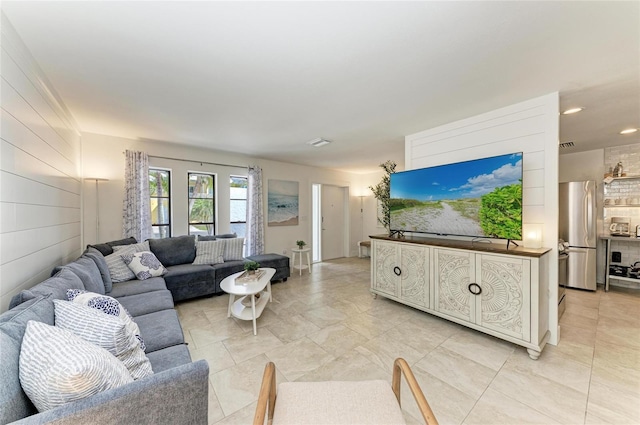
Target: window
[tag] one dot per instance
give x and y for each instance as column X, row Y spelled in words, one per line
column 160, row 200
column 238, row 205
column 201, row 204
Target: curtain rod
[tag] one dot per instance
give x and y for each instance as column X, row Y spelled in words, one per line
column 199, row 162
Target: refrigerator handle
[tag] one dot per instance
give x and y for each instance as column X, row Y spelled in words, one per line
column 589, row 208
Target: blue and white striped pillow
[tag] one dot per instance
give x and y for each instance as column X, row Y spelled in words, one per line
column 58, row 367
column 209, row 252
column 106, row 331
column 233, row 249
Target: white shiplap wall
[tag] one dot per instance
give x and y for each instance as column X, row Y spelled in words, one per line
column 530, row 127
column 40, row 184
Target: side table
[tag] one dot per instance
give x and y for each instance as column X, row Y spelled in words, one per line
column 299, row 252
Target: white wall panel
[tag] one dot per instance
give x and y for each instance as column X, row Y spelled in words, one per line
column 16, row 245
column 530, row 127
column 17, row 79
column 20, row 136
column 16, row 105
column 16, row 161
column 44, row 260
column 40, row 184
column 22, row 190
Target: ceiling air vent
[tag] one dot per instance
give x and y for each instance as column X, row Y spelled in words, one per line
column 566, row 145
column 316, row 143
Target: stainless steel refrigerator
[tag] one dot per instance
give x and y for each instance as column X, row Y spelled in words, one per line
column 577, row 223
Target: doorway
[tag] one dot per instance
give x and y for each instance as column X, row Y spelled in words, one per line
column 329, row 221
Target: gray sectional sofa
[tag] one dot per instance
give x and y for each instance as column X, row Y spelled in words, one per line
column 177, row 392
column 186, row 280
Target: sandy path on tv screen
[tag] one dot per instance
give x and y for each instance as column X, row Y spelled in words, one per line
column 434, row 220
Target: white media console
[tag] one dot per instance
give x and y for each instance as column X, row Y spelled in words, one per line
column 480, row 285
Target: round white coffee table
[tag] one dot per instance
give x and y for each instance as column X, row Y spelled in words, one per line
column 247, row 307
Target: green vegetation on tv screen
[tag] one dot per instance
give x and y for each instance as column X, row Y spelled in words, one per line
column 479, row 198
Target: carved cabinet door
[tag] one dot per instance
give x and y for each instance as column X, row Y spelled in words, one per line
column 414, row 277
column 385, row 258
column 505, row 303
column 454, row 271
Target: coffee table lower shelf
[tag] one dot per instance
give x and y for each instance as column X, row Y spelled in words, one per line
column 243, row 312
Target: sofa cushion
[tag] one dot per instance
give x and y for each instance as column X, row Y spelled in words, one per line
column 169, row 357
column 14, row 403
column 270, row 260
column 161, row 329
column 175, row 250
column 118, row 270
column 140, row 304
column 57, row 367
column 209, row 252
column 98, row 258
column 87, row 270
column 106, row 331
column 144, row 265
column 227, row 268
column 215, row 237
column 107, row 247
column 107, row 305
column 56, row 286
column 233, row 249
column 190, row 280
column 134, row 287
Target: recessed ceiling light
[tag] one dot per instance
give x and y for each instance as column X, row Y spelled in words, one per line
column 629, row 131
column 316, row 143
column 572, row 111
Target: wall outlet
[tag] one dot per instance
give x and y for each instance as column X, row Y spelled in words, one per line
column 284, row 252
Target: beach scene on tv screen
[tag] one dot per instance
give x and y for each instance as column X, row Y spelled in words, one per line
column 481, row 198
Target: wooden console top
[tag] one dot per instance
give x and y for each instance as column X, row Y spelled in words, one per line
column 496, row 247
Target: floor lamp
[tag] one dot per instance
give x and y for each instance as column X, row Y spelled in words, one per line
column 97, row 180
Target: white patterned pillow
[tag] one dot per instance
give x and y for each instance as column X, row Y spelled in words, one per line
column 209, row 252
column 117, row 268
column 57, row 367
column 107, row 305
column 106, row 331
column 233, row 249
column 144, row 264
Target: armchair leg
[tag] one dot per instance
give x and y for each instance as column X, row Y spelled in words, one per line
column 267, row 396
column 401, row 367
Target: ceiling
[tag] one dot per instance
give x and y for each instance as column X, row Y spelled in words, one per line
column 264, row 78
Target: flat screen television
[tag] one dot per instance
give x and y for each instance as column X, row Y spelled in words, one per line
column 477, row 198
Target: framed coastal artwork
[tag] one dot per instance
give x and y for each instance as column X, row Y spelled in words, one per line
column 282, row 203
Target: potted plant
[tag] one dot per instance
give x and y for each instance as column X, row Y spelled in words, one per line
column 301, row 244
column 251, row 267
column 382, row 192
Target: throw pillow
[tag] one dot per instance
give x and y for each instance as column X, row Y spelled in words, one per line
column 233, row 249
column 106, row 331
column 107, row 305
column 209, row 252
column 118, row 270
column 57, row 367
column 144, row 264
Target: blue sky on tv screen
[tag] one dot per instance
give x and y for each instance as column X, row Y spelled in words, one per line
column 469, row 179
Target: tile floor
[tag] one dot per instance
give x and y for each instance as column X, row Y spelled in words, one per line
column 327, row 326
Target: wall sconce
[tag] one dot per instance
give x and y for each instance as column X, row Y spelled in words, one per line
column 532, row 235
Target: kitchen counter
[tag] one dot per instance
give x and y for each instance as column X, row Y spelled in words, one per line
column 608, row 240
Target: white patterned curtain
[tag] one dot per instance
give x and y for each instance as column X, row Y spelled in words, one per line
column 136, row 211
column 255, row 213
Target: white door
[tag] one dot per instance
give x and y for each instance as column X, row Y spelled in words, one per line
column 333, row 223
